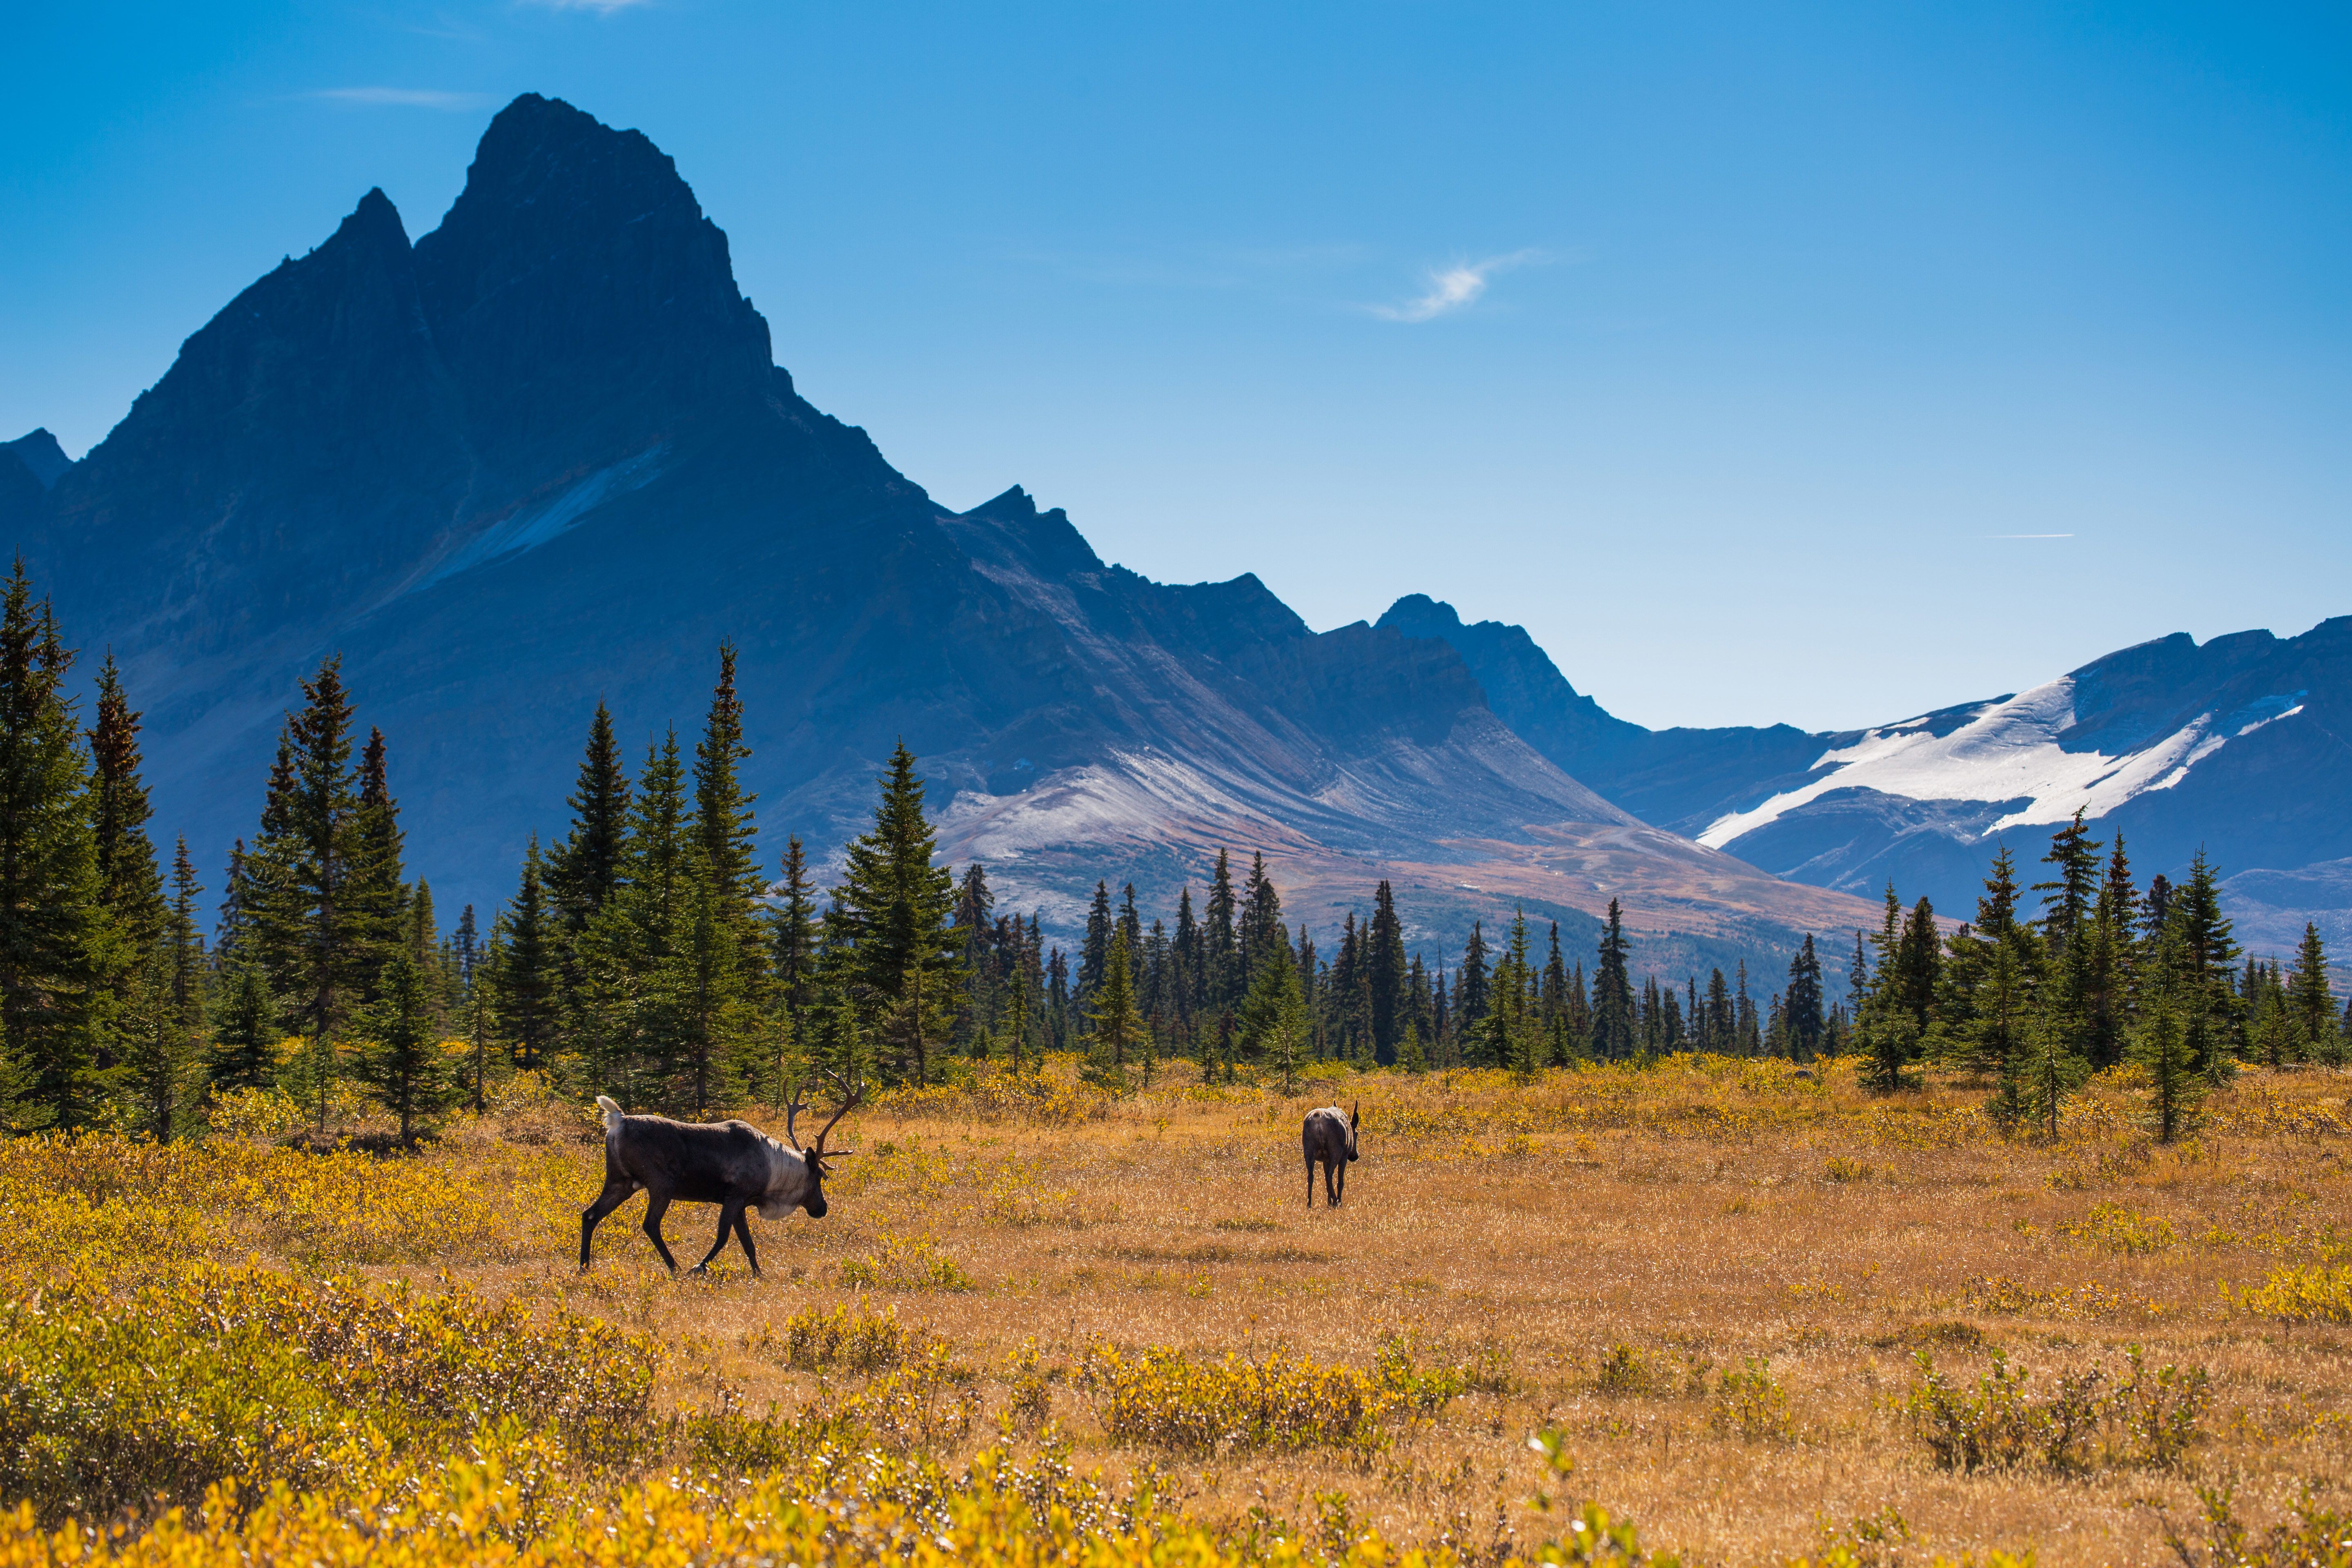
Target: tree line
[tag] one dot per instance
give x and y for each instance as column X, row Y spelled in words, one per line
column 649, row 953
column 2107, row 973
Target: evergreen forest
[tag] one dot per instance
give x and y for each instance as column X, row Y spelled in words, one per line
column 658, row 952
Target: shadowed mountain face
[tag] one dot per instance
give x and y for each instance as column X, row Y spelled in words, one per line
column 543, row 456
column 2239, row 747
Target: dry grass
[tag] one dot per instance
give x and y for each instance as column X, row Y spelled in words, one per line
column 1711, row 1280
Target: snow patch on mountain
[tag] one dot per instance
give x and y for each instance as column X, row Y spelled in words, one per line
column 2011, row 751
column 534, row 526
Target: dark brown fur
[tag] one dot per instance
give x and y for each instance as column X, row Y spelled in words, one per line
column 1330, row 1135
column 730, row 1163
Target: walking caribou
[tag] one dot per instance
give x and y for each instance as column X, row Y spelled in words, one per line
column 730, row 1163
column 1330, row 1135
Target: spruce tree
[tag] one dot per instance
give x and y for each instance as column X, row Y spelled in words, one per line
column 1510, row 1037
column 2161, row 1046
column 483, row 1059
column 835, row 1037
column 191, row 970
column 895, row 903
column 53, row 926
column 1553, row 990
column 792, row 932
column 722, row 810
column 2002, row 1020
column 699, row 1017
column 1613, row 993
column 1804, row 1008
column 1385, row 974
column 2202, row 967
column 466, row 943
column 375, row 899
column 2113, row 959
column 162, row 1017
column 1130, row 926
column 422, row 941
column 524, row 984
column 976, row 929
column 1886, row 1027
column 314, row 940
column 1186, row 951
column 658, row 872
column 2052, row 1067
column 1057, row 1004
column 1274, row 1015
column 244, row 1036
column 1718, row 1033
column 1117, row 1023
column 399, row 1062
column 2067, row 908
column 131, row 885
column 724, row 832
column 140, row 1041
column 1470, row 986
column 1261, row 917
column 584, row 870
column 1919, row 967
column 1221, row 973
column 1094, row 958
column 2312, row 1004
column 1441, row 1028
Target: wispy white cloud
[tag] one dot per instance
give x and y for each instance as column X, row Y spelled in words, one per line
column 1454, row 288
column 403, row 97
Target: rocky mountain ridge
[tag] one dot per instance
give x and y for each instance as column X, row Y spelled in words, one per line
column 2238, row 747
column 543, row 456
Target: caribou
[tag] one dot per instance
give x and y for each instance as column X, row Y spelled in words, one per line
column 730, row 1163
column 1330, row 1135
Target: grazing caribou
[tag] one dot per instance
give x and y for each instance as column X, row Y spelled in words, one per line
column 730, row 1163
column 1330, row 1135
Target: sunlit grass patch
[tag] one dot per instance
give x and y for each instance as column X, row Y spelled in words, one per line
column 905, row 1263
column 2116, row 1228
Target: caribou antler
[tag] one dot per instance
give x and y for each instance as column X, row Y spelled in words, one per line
column 793, row 1109
column 851, row 1095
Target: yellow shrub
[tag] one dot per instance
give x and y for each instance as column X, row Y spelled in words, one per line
column 1166, row 1399
column 843, row 1338
column 2118, row 1229
column 2311, row 1293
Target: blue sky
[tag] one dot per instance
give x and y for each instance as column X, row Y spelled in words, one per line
column 1743, row 353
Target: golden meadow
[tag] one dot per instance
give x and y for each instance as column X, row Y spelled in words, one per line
column 1710, row 1310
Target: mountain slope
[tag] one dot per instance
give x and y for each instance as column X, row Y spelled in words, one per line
column 543, row 456
column 2238, row 747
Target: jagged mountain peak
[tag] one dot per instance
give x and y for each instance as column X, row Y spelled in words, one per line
column 42, row 456
column 1046, row 543
column 582, row 302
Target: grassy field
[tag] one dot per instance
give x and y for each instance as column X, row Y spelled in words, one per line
column 1765, row 1317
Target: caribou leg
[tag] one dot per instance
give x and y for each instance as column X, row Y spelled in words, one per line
column 1310, row 1181
column 1339, row 1169
column 615, row 1195
column 729, row 1216
column 743, row 1235
column 656, row 1203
